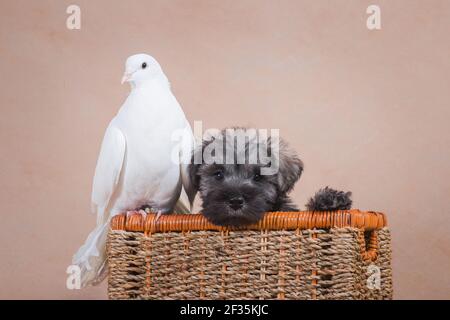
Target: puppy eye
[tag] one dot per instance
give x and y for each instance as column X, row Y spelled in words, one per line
column 144, row 65
column 218, row 175
column 257, row 177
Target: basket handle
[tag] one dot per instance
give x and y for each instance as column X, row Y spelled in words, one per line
column 369, row 249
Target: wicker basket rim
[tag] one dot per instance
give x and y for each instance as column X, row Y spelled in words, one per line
column 366, row 220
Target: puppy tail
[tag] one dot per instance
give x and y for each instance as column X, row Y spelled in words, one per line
column 328, row 199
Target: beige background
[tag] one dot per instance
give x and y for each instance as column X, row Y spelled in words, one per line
column 368, row 111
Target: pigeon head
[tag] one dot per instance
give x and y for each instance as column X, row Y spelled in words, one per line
column 141, row 68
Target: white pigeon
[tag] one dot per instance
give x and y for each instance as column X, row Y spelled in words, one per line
column 143, row 160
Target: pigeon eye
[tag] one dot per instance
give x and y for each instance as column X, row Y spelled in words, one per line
column 144, row 65
column 218, row 175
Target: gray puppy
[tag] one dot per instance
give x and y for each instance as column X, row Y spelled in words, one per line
column 237, row 193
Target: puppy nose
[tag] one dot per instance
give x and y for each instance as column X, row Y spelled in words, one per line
column 236, row 202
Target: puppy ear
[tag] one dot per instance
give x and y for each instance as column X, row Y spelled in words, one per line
column 290, row 168
column 196, row 163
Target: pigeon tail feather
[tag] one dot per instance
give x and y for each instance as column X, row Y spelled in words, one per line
column 91, row 257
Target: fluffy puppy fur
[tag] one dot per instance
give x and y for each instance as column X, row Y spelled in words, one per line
column 238, row 194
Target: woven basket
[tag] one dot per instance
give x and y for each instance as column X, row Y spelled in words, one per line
column 287, row 255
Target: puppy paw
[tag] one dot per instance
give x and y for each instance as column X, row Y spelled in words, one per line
column 328, row 199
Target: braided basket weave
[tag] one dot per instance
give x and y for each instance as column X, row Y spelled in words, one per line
column 287, row 255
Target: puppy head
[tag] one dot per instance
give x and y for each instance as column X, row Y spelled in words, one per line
column 234, row 187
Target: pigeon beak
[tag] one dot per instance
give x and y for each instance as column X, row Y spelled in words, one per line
column 126, row 77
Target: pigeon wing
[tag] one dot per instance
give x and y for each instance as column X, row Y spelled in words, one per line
column 107, row 171
column 91, row 257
